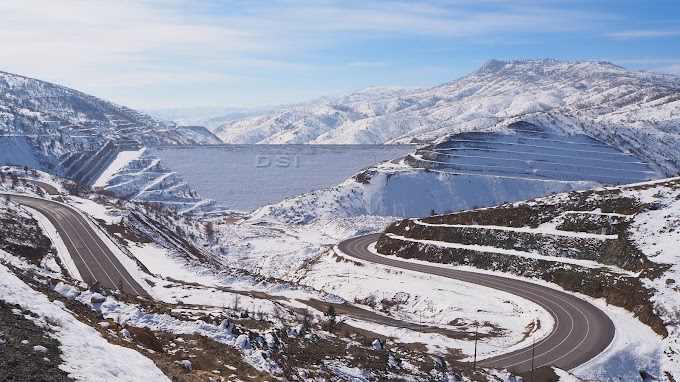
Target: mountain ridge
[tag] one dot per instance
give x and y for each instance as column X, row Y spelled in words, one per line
column 53, row 107
column 623, row 107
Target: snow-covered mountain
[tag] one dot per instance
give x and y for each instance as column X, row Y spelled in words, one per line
column 633, row 110
column 310, row 122
column 33, row 107
column 211, row 117
column 72, row 134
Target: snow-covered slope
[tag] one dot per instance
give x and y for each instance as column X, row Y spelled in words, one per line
column 532, row 152
column 309, row 122
column 210, row 117
column 141, row 177
column 633, row 110
column 470, row 170
column 33, row 107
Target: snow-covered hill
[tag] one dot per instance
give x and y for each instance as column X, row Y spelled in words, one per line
column 310, row 122
column 211, row 117
column 470, row 170
column 33, row 107
column 633, row 110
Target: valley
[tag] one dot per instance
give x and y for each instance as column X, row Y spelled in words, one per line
column 522, row 219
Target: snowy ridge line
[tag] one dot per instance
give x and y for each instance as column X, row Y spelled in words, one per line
column 500, row 251
column 155, row 182
column 520, row 171
column 196, row 205
column 154, row 162
column 538, row 230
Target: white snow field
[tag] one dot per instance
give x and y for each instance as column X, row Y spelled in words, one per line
column 245, row 177
column 123, row 158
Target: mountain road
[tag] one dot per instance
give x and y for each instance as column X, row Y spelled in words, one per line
column 93, row 258
column 581, row 331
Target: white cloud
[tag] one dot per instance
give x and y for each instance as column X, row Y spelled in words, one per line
column 368, row 64
column 672, row 69
column 644, row 33
column 104, row 44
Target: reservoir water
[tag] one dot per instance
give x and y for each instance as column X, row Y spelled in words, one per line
column 245, row 177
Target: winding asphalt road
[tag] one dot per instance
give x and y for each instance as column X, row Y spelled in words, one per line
column 93, row 258
column 581, row 330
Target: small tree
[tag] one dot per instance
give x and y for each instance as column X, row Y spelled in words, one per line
column 210, row 231
column 331, row 319
column 235, row 302
column 15, row 180
column 307, row 319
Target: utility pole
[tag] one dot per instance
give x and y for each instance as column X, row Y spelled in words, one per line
column 533, row 353
column 474, row 363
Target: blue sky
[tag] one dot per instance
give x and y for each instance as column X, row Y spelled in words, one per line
column 188, row 53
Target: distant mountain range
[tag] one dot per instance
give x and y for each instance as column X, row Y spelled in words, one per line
column 632, row 110
column 210, row 117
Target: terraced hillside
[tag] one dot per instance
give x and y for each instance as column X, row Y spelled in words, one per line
column 470, row 170
column 533, row 152
column 616, row 243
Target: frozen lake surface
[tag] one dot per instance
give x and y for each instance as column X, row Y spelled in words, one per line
column 245, row 177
